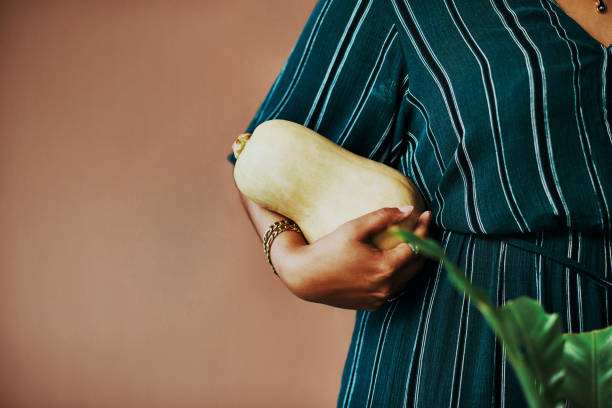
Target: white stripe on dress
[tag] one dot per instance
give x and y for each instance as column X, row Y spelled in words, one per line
column 493, row 117
column 355, row 366
column 381, row 347
column 467, row 321
column 300, row 67
column 607, row 262
column 429, row 308
column 405, row 402
column 580, row 125
column 568, row 310
column 579, row 285
column 458, row 132
column 418, row 167
column 504, row 361
column 604, row 96
column 538, row 259
column 532, row 102
column 332, row 63
column 348, row 127
column 384, row 136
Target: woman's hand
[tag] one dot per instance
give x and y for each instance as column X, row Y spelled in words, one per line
column 343, row 269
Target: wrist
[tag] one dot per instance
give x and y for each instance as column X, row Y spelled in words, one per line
column 283, row 252
column 283, row 245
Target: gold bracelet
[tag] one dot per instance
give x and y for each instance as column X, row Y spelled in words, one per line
column 273, row 231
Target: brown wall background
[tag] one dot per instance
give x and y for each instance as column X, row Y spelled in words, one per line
column 130, row 275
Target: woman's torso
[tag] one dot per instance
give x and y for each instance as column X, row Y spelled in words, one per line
column 508, row 126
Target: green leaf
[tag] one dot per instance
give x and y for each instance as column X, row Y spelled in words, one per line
column 550, row 366
column 588, row 360
column 431, row 249
column 426, row 246
column 532, row 338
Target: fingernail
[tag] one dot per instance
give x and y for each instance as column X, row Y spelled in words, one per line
column 405, row 208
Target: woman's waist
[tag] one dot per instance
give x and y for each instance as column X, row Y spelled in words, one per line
column 490, row 214
column 588, row 253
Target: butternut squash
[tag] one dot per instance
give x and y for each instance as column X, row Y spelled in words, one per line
column 296, row 172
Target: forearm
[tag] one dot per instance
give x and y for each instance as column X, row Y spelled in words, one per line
column 261, row 218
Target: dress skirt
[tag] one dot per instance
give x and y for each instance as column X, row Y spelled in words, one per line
column 432, row 348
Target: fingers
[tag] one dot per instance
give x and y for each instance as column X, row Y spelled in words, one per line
column 423, row 224
column 401, row 278
column 400, row 264
column 399, row 255
column 402, row 252
column 378, row 220
column 403, row 260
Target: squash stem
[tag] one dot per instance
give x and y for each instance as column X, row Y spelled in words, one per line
column 239, row 143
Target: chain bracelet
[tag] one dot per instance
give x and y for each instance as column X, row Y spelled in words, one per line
column 273, row 231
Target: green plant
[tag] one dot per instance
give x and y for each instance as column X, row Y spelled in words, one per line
column 550, row 366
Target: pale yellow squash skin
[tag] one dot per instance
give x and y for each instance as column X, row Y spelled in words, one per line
column 296, row 172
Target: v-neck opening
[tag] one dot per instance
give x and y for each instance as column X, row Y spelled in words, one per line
column 580, row 27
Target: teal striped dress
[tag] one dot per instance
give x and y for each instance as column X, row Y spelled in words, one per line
column 499, row 112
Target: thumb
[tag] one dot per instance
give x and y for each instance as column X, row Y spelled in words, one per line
column 398, row 255
column 380, row 219
column 423, row 224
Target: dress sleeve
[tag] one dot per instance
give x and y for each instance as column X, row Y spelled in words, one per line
column 344, row 79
